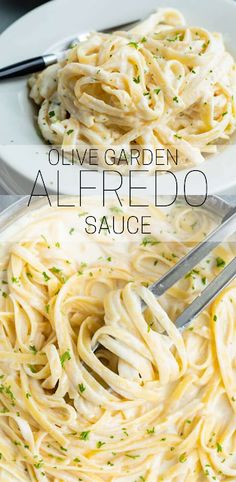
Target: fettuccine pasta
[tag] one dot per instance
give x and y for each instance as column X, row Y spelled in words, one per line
column 162, row 85
column 151, row 404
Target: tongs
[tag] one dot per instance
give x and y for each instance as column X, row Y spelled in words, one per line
column 226, row 229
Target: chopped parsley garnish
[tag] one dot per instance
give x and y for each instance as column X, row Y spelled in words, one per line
column 116, row 210
column 46, row 277
column 8, row 391
column 39, row 464
column 215, row 318
column 178, row 136
column 149, row 327
column 177, row 37
column 14, row 279
column 84, row 435
column 65, row 357
column 33, row 349
column 72, row 230
column 52, row 113
column 55, row 270
column 151, row 431
column 149, row 240
column 157, row 91
column 175, row 99
column 220, row 263
column 191, row 273
column 136, row 79
column 219, row 447
column 82, row 388
column 182, row 458
column 70, row 131
column 100, row 444
column 133, row 44
column 132, row 456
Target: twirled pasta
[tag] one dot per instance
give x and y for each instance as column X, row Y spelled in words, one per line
column 162, row 85
column 151, row 404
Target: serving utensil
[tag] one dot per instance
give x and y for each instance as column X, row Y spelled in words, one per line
column 226, row 229
column 30, row 66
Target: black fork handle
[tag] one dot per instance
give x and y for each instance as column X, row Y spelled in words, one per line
column 27, row 66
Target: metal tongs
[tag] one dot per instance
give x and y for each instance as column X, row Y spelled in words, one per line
column 226, row 229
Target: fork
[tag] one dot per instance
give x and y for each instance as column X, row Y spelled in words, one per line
column 36, row 64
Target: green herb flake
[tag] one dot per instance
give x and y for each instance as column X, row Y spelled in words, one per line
column 132, row 456
column 149, row 240
column 100, row 444
column 220, row 263
column 182, row 458
column 14, row 280
column 219, row 447
column 39, row 464
column 33, row 349
column 8, row 391
column 55, row 270
column 136, row 79
column 82, row 388
column 133, row 44
column 116, row 210
column 84, row 435
column 65, row 357
column 46, row 277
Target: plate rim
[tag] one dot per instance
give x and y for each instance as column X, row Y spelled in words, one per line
column 227, row 178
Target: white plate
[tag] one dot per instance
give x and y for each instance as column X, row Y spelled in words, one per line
column 42, row 29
